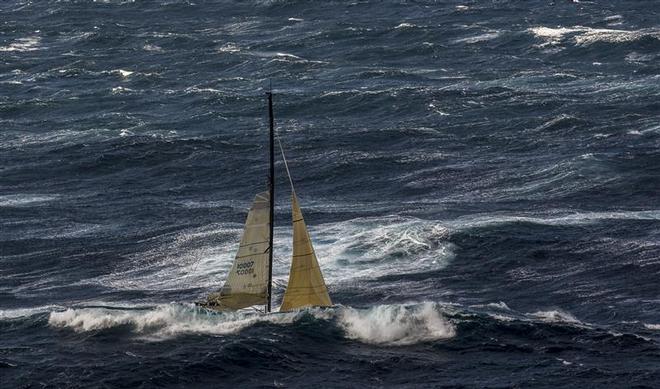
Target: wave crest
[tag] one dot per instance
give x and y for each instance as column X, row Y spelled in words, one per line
column 384, row 324
column 585, row 36
column 396, row 324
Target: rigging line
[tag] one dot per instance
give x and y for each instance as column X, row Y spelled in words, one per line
column 195, row 266
column 286, row 165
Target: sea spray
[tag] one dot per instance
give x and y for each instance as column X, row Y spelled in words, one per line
column 395, row 324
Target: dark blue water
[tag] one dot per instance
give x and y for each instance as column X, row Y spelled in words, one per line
column 480, row 179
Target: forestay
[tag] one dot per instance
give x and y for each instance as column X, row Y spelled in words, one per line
column 247, row 282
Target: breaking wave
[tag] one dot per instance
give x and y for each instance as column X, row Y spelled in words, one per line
column 396, row 324
column 574, row 218
column 384, row 324
column 25, row 199
column 584, row 36
column 557, row 316
column 23, row 44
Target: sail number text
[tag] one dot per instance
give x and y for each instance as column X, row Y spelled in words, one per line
column 245, row 268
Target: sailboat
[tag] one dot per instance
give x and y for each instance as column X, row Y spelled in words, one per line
column 249, row 281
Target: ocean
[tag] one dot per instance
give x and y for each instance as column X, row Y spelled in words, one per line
column 480, row 179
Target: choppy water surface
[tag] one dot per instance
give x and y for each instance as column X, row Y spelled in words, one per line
column 481, row 180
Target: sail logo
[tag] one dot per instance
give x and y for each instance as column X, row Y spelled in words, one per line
column 245, row 268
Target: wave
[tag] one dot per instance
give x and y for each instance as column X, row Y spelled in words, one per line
column 8, row 314
column 557, row 316
column 123, row 73
column 487, row 36
column 393, row 325
column 500, row 311
column 405, row 25
column 396, row 324
column 25, row 199
column 573, row 218
column 23, row 44
column 585, row 36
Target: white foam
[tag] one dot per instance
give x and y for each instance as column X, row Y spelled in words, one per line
column 557, row 316
column 404, row 26
column 479, row 38
column 564, row 362
column 120, row 90
column 357, row 248
column 123, row 73
column 501, row 305
column 151, row 47
column 25, row 199
column 574, row 218
column 396, row 325
column 653, row 129
column 371, row 247
column 287, row 55
column 161, row 321
column 655, row 327
column 584, row 36
column 6, row 314
column 500, row 317
column 229, row 47
column 23, row 44
column 384, row 324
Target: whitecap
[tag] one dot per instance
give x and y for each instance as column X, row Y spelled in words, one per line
column 479, row 38
column 23, row 44
column 584, row 36
column 557, row 316
column 229, row 47
column 25, row 199
column 396, row 325
column 392, row 325
column 405, row 26
column 653, row 129
column 121, row 90
column 123, row 73
column 573, row 218
column 163, row 321
column 500, row 305
column 151, row 47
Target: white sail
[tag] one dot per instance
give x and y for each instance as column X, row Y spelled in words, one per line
column 306, row 286
column 247, row 282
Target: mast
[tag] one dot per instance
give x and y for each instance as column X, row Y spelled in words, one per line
column 272, row 197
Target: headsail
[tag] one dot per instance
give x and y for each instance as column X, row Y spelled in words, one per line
column 306, row 285
column 247, row 282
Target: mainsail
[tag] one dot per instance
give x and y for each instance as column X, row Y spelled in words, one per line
column 306, row 285
column 248, row 279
